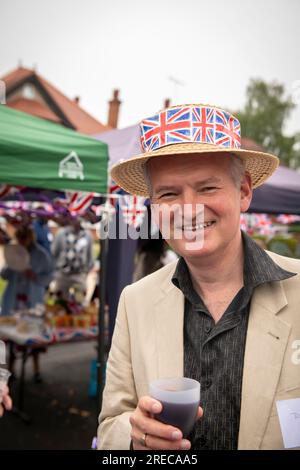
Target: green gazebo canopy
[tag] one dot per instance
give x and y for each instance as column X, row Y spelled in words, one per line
column 40, row 154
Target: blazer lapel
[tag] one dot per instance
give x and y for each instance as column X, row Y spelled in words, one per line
column 169, row 314
column 266, row 343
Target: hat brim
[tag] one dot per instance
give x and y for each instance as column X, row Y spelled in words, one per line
column 129, row 174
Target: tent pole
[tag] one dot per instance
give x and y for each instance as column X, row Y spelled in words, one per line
column 101, row 362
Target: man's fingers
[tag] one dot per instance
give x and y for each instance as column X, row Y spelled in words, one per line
column 149, row 405
column 147, row 425
column 159, row 436
column 156, row 443
column 200, row 413
column 7, row 402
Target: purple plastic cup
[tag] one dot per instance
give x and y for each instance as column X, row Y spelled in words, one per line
column 180, row 399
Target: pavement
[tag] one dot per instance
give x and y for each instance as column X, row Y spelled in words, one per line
column 63, row 416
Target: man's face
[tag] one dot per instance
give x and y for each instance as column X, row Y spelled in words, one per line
column 201, row 179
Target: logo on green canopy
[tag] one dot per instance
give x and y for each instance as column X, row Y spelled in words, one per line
column 71, row 167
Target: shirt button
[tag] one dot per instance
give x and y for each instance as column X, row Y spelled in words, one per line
column 207, row 329
column 206, row 384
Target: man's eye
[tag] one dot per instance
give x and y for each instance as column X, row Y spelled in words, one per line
column 208, row 188
column 167, row 195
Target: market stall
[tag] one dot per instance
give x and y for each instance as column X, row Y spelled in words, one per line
column 35, row 153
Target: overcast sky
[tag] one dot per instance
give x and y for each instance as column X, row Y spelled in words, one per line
column 213, row 48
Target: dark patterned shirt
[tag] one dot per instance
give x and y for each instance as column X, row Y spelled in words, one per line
column 214, row 353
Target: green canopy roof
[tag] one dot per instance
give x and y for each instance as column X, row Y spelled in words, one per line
column 40, row 154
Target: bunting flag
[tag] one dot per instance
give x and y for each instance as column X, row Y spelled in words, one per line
column 287, row 218
column 133, row 209
column 265, row 225
column 114, row 190
column 78, row 202
column 6, row 189
column 257, row 223
column 104, row 209
column 243, row 222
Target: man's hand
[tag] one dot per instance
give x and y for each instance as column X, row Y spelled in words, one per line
column 6, row 401
column 159, row 436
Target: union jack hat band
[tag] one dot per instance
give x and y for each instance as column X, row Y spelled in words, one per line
column 191, row 123
column 190, row 129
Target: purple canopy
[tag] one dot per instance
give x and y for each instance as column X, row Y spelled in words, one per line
column 122, row 143
column 280, row 194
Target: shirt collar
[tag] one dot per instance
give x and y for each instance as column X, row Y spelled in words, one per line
column 259, row 268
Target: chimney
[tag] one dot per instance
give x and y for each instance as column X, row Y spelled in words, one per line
column 77, row 99
column 113, row 112
column 167, row 103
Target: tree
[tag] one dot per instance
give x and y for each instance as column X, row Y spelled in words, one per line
column 263, row 119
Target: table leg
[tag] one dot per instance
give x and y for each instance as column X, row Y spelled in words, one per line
column 19, row 411
column 11, row 356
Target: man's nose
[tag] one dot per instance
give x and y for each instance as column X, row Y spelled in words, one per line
column 191, row 203
column 190, row 196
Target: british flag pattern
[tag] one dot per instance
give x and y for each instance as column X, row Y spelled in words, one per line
column 168, row 127
column 203, row 125
column 78, row 202
column 133, row 209
column 228, row 130
column 191, row 123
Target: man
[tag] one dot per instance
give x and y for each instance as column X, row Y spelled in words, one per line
column 226, row 314
column 72, row 250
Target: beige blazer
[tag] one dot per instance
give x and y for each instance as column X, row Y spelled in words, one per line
column 148, row 344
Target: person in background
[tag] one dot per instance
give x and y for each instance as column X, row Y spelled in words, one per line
column 42, row 232
column 27, row 287
column 152, row 255
column 4, row 240
column 72, row 249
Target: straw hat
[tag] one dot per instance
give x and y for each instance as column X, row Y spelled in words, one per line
column 190, row 129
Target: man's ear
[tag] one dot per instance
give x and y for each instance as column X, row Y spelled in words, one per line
column 246, row 192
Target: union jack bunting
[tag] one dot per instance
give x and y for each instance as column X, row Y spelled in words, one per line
column 287, row 218
column 133, row 209
column 243, row 222
column 78, row 202
column 114, row 190
column 191, row 123
column 6, row 189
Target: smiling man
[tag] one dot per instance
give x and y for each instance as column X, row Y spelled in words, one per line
column 226, row 314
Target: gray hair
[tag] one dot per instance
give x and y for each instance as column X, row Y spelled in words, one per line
column 237, row 171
